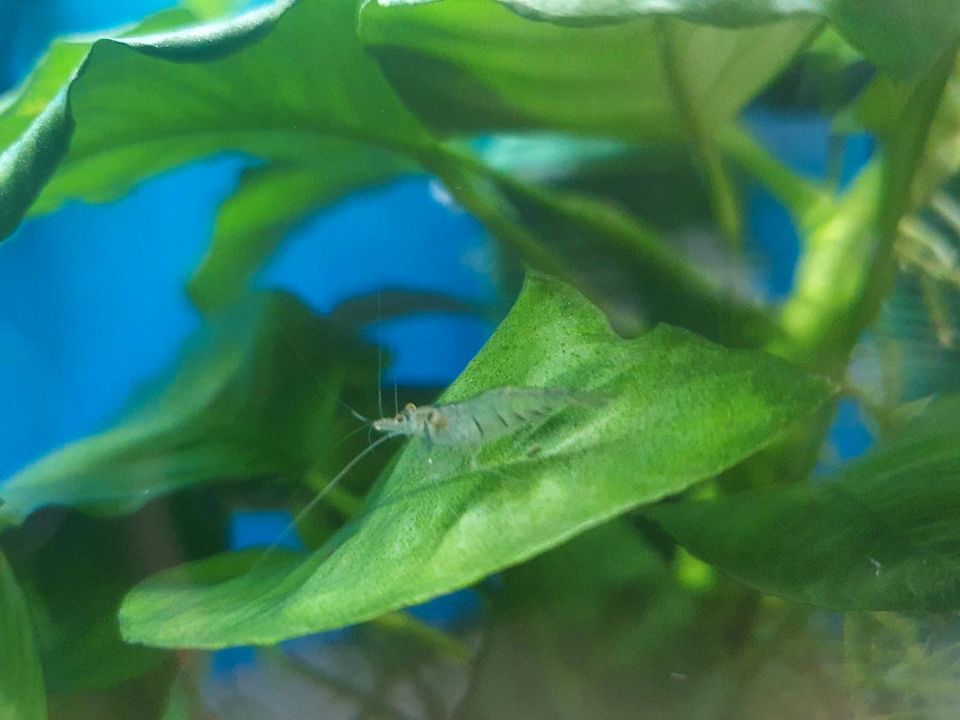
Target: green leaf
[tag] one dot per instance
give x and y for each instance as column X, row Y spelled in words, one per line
column 901, row 37
column 618, row 263
column 246, row 401
column 209, row 9
column 22, row 695
column 471, row 65
column 677, row 410
column 883, row 534
column 269, row 202
column 278, row 83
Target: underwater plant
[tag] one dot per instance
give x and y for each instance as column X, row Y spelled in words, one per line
column 631, row 493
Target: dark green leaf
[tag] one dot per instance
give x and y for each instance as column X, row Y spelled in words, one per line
column 246, row 401
column 883, row 534
column 278, row 83
column 617, row 262
column 22, row 695
column 471, row 65
column 658, row 184
column 677, row 410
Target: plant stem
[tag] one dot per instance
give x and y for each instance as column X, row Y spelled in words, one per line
column 806, row 201
column 723, row 195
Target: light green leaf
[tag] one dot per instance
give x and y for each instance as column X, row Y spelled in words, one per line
column 210, row 9
column 883, row 534
column 246, row 401
column 471, row 65
column 22, row 695
column 277, row 83
column 676, row 410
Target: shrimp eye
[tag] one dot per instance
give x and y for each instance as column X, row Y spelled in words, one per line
column 399, row 417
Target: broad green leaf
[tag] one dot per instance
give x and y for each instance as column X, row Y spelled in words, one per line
column 618, row 263
column 471, row 65
column 883, row 534
column 278, row 83
column 22, row 696
column 903, row 37
column 269, row 202
column 676, row 410
column 246, row 401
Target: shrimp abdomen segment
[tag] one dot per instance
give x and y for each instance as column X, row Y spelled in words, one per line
column 495, row 413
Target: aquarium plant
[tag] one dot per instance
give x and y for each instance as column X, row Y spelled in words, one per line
column 635, row 498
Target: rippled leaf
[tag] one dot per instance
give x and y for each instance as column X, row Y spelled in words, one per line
column 677, row 410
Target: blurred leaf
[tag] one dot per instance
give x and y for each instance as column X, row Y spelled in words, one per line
column 678, row 410
column 657, row 184
column 22, row 696
column 246, row 401
column 270, row 202
column 472, row 66
column 211, row 9
column 617, row 262
column 883, row 534
column 35, row 123
column 883, row 110
column 287, row 82
column 389, row 304
column 902, row 37
column 75, row 594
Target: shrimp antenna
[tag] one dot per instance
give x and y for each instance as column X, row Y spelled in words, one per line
column 300, row 356
column 380, row 353
column 309, row 507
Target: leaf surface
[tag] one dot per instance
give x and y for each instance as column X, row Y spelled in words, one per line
column 676, row 410
column 22, row 695
column 903, row 38
column 471, row 65
column 882, row 534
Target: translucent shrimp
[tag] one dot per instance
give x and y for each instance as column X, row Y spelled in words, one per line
column 482, row 418
column 485, row 417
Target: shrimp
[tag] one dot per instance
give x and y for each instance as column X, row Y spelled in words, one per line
column 482, row 418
